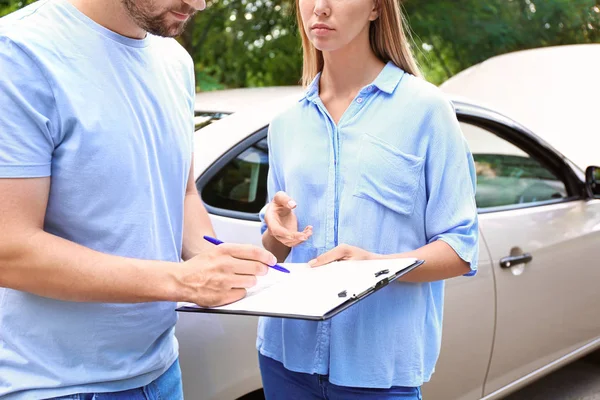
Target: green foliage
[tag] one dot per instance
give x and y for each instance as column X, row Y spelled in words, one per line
column 453, row 35
column 8, row 6
column 245, row 43
column 237, row 43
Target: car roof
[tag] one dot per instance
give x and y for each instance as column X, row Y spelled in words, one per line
column 552, row 91
column 234, row 100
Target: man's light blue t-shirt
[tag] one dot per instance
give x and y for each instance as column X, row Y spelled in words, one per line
column 110, row 120
column 392, row 176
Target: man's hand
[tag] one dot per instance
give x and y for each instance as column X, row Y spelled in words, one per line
column 282, row 222
column 222, row 275
column 342, row 252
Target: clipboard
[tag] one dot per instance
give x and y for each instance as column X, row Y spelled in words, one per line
column 314, row 294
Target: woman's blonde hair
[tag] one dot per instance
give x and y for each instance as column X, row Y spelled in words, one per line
column 388, row 40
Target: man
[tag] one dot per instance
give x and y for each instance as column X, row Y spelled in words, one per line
column 97, row 201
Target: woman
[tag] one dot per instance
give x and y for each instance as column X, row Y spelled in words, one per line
column 373, row 163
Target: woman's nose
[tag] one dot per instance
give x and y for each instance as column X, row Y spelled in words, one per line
column 322, row 8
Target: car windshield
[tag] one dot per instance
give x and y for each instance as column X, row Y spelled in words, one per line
column 204, row 118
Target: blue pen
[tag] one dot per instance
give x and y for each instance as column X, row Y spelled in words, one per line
column 217, row 242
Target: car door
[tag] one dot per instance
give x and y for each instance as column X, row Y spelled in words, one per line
column 543, row 239
column 468, row 333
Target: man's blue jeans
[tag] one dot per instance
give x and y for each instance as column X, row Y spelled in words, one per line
column 282, row 384
column 167, row 387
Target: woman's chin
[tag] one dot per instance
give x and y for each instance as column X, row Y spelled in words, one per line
column 322, row 44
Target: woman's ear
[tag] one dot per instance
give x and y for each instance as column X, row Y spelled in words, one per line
column 375, row 11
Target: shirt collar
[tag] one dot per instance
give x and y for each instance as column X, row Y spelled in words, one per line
column 386, row 81
column 388, row 78
column 312, row 91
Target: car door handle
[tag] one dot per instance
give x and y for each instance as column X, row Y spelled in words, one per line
column 511, row 261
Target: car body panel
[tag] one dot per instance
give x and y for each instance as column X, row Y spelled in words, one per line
column 552, row 91
column 217, row 356
column 548, row 307
column 216, row 139
column 468, row 334
column 236, row 100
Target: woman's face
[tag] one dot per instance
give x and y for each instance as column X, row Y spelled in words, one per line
column 332, row 24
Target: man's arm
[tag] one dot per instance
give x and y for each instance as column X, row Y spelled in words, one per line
column 196, row 221
column 37, row 262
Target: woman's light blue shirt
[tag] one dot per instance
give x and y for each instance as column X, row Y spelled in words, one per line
column 393, row 175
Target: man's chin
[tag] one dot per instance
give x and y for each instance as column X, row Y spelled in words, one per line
column 173, row 30
column 176, row 32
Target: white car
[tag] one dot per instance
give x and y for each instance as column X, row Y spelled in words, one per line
column 534, row 304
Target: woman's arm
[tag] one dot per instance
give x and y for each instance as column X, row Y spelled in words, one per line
column 442, row 262
column 281, row 227
column 273, row 245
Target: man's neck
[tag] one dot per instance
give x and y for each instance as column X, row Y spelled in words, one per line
column 349, row 69
column 112, row 15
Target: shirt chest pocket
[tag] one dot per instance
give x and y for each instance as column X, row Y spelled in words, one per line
column 388, row 176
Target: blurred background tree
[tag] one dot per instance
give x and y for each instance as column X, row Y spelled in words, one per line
column 8, row 6
column 453, row 35
column 239, row 43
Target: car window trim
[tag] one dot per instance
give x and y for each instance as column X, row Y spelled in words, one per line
column 533, row 204
column 529, row 143
column 220, row 163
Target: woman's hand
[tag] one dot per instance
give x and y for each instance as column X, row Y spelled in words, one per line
column 282, row 222
column 342, row 252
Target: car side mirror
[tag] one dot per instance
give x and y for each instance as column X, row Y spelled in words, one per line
column 592, row 182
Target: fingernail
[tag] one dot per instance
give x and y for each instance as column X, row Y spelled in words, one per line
column 273, row 261
column 292, row 204
column 312, row 262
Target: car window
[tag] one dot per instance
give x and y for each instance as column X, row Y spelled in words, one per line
column 507, row 175
column 204, row 118
column 241, row 185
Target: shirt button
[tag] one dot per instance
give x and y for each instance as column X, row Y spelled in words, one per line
column 370, row 87
column 359, row 100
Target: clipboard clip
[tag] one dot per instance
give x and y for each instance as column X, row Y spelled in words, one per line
column 382, row 272
column 384, row 281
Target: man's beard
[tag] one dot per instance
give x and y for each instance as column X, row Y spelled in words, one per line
column 156, row 23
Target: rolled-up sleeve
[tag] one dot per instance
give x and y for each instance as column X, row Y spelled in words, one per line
column 451, row 211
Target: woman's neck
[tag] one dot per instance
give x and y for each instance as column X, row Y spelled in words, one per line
column 349, row 69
